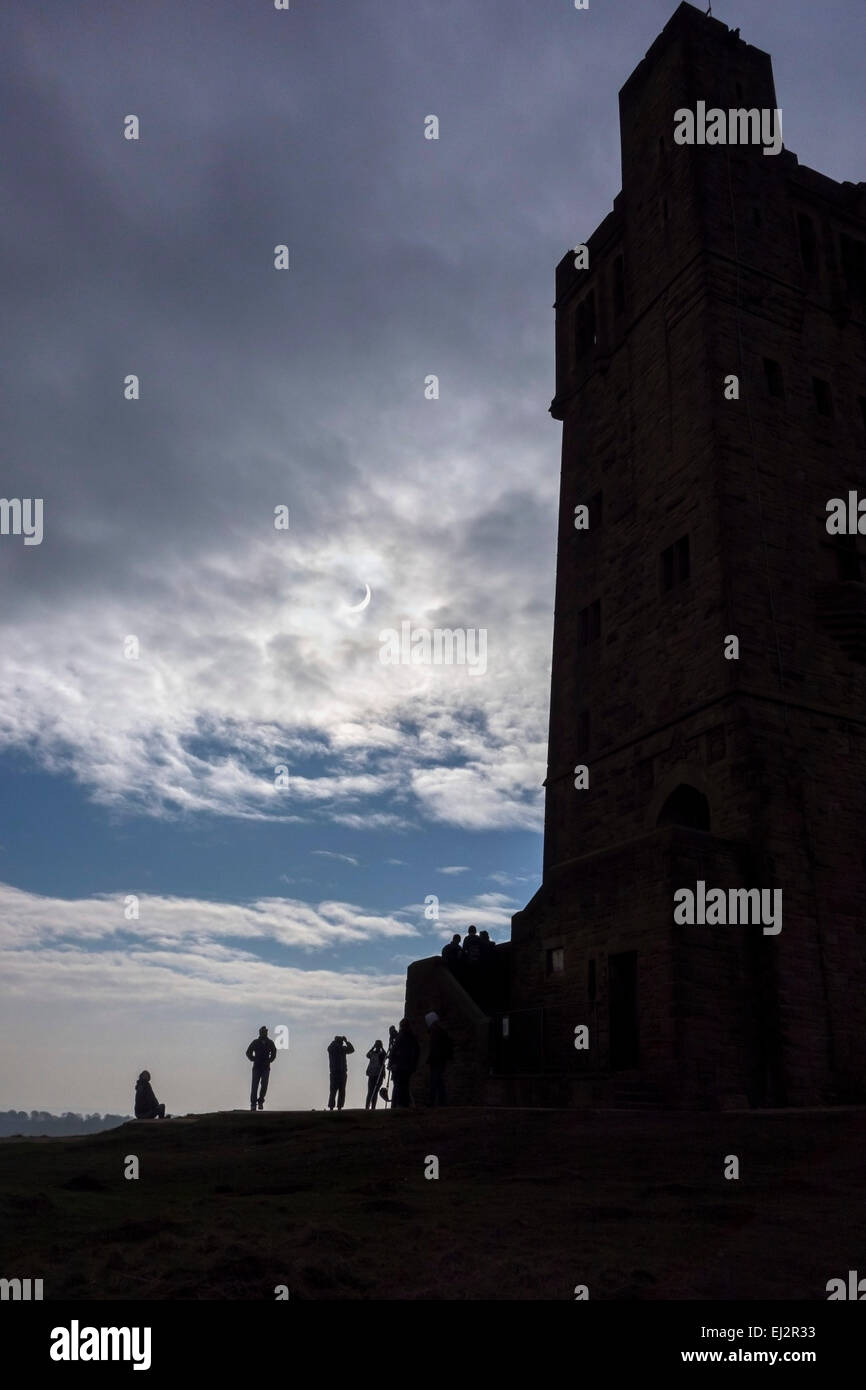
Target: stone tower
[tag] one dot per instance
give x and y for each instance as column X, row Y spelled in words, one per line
column 706, row 521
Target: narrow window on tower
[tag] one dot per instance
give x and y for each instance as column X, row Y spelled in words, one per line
column 682, row 559
column 808, row 242
column 582, row 735
column 848, row 558
column 773, row 376
column 675, row 564
column 618, row 286
column 668, row 568
column 589, row 624
column 555, row 960
column 585, row 324
column 853, row 256
column 823, row 396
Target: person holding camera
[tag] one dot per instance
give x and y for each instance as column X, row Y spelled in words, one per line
column 338, row 1051
column 376, row 1058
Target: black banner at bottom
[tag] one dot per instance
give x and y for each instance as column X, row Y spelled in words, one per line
column 160, row 1339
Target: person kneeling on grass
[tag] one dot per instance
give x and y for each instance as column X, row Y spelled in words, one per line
column 147, row 1107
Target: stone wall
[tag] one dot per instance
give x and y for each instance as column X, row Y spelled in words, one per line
column 431, row 986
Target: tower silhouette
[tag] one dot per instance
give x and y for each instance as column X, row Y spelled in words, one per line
column 711, row 384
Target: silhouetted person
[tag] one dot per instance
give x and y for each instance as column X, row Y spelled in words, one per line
column 147, row 1107
column 392, row 1038
column 472, row 947
column 261, row 1052
column 452, row 953
column 440, row 1054
column 487, row 961
column 338, row 1051
column 404, row 1059
column 375, row 1071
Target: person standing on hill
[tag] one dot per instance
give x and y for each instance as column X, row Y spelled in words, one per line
column 375, row 1071
column 392, row 1038
column 261, row 1052
column 338, row 1051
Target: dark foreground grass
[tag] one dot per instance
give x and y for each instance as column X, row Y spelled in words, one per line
column 528, row 1204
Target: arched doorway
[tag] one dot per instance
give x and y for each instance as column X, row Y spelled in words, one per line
column 686, row 806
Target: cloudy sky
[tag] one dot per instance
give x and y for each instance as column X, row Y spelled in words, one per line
column 150, row 782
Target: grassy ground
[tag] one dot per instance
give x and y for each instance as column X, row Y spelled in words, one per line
column 528, row 1204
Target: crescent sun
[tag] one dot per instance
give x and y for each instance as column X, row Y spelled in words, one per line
column 356, row 608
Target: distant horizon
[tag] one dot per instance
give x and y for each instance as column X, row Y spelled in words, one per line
column 6, row 1114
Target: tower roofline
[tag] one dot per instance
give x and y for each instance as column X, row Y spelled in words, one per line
column 697, row 32
column 685, row 19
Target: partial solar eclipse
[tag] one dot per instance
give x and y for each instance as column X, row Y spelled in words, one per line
column 356, row 608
